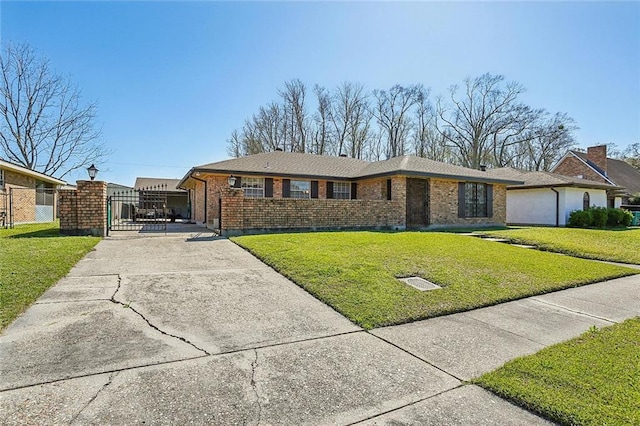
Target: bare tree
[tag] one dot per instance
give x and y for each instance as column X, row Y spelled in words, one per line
column 392, row 112
column 322, row 118
column 351, row 119
column 44, row 126
column 551, row 139
column 293, row 97
column 484, row 121
column 427, row 141
column 234, row 145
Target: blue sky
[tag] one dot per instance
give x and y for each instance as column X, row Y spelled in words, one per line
column 173, row 79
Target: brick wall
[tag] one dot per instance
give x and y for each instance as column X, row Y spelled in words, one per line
column 240, row 214
column 573, row 167
column 83, row 211
column 443, row 205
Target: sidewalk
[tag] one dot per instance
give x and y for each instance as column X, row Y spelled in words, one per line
column 189, row 328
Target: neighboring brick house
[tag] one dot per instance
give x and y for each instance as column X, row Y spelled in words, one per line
column 594, row 165
column 548, row 198
column 26, row 196
column 291, row 191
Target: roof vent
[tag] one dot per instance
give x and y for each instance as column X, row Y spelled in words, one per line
column 420, row 283
column 343, row 155
column 483, row 168
column 279, row 149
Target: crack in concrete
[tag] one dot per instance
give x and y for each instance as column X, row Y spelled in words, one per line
column 128, row 305
column 254, row 366
column 94, row 397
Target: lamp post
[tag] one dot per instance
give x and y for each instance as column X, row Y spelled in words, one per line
column 232, row 181
column 93, row 171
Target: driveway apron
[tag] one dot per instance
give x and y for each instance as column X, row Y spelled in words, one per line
column 190, row 328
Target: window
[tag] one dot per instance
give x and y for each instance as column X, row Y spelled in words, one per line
column 475, row 200
column 1, row 179
column 341, row 190
column 586, row 201
column 44, row 194
column 252, row 187
column 300, row 189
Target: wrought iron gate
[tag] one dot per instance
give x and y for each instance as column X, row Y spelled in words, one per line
column 142, row 209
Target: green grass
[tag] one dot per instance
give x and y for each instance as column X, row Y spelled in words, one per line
column 618, row 245
column 591, row 380
column 32, row 259
column 356, row 272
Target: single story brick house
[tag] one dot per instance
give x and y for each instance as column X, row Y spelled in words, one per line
column 26, row 196
column 292, row 191
column 548, row 198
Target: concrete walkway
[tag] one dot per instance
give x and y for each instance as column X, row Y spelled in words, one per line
column 186, row 327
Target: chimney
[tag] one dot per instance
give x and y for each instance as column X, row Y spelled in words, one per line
column 598, row 156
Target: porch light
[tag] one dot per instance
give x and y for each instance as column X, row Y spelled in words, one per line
column 232, row 181
column 93, row 171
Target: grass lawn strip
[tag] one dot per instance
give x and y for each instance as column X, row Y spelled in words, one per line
column 622, row 245
column 32, row 259
column 356, row 272
column 591, row 380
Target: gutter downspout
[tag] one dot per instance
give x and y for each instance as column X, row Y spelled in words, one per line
column 557, row 207
column 205, row 198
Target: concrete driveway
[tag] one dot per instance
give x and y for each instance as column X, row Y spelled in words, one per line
column 189, row 328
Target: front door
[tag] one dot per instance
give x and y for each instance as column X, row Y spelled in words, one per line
column 417, row 203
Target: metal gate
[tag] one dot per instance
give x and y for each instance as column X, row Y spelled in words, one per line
column 142, row 209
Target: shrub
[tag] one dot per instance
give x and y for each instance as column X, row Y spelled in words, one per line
column 580, row 219
column 619, row 217
column 600, row 217
column 627, row 217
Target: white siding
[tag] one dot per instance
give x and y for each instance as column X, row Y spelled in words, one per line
column 531, row 206
column 538, row 206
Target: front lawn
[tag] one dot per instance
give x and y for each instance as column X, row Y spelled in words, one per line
column 32, row 259
column 621, row 245
column 591, row 380
column 356, row 272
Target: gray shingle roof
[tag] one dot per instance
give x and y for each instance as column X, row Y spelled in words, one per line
column 618, row 171
column 545, row 179
column 281, row 163
column 289, row 163
column 171, row 185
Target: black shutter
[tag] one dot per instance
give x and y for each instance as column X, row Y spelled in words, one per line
column 489, row 200
column 461, row 206
column 286, row 188
column 354, row 191
column 238, row 183
column 268, row 187
column 388, row 189
column 329, row 190
column 314, row 189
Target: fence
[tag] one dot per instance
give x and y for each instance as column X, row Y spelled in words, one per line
column 28, row 205
column 4, row 209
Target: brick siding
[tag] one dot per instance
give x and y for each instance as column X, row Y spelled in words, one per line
column 83, row 211
column 571, row 166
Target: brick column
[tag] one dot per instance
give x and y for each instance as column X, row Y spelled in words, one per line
column 232, row 222
column 84, row 211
